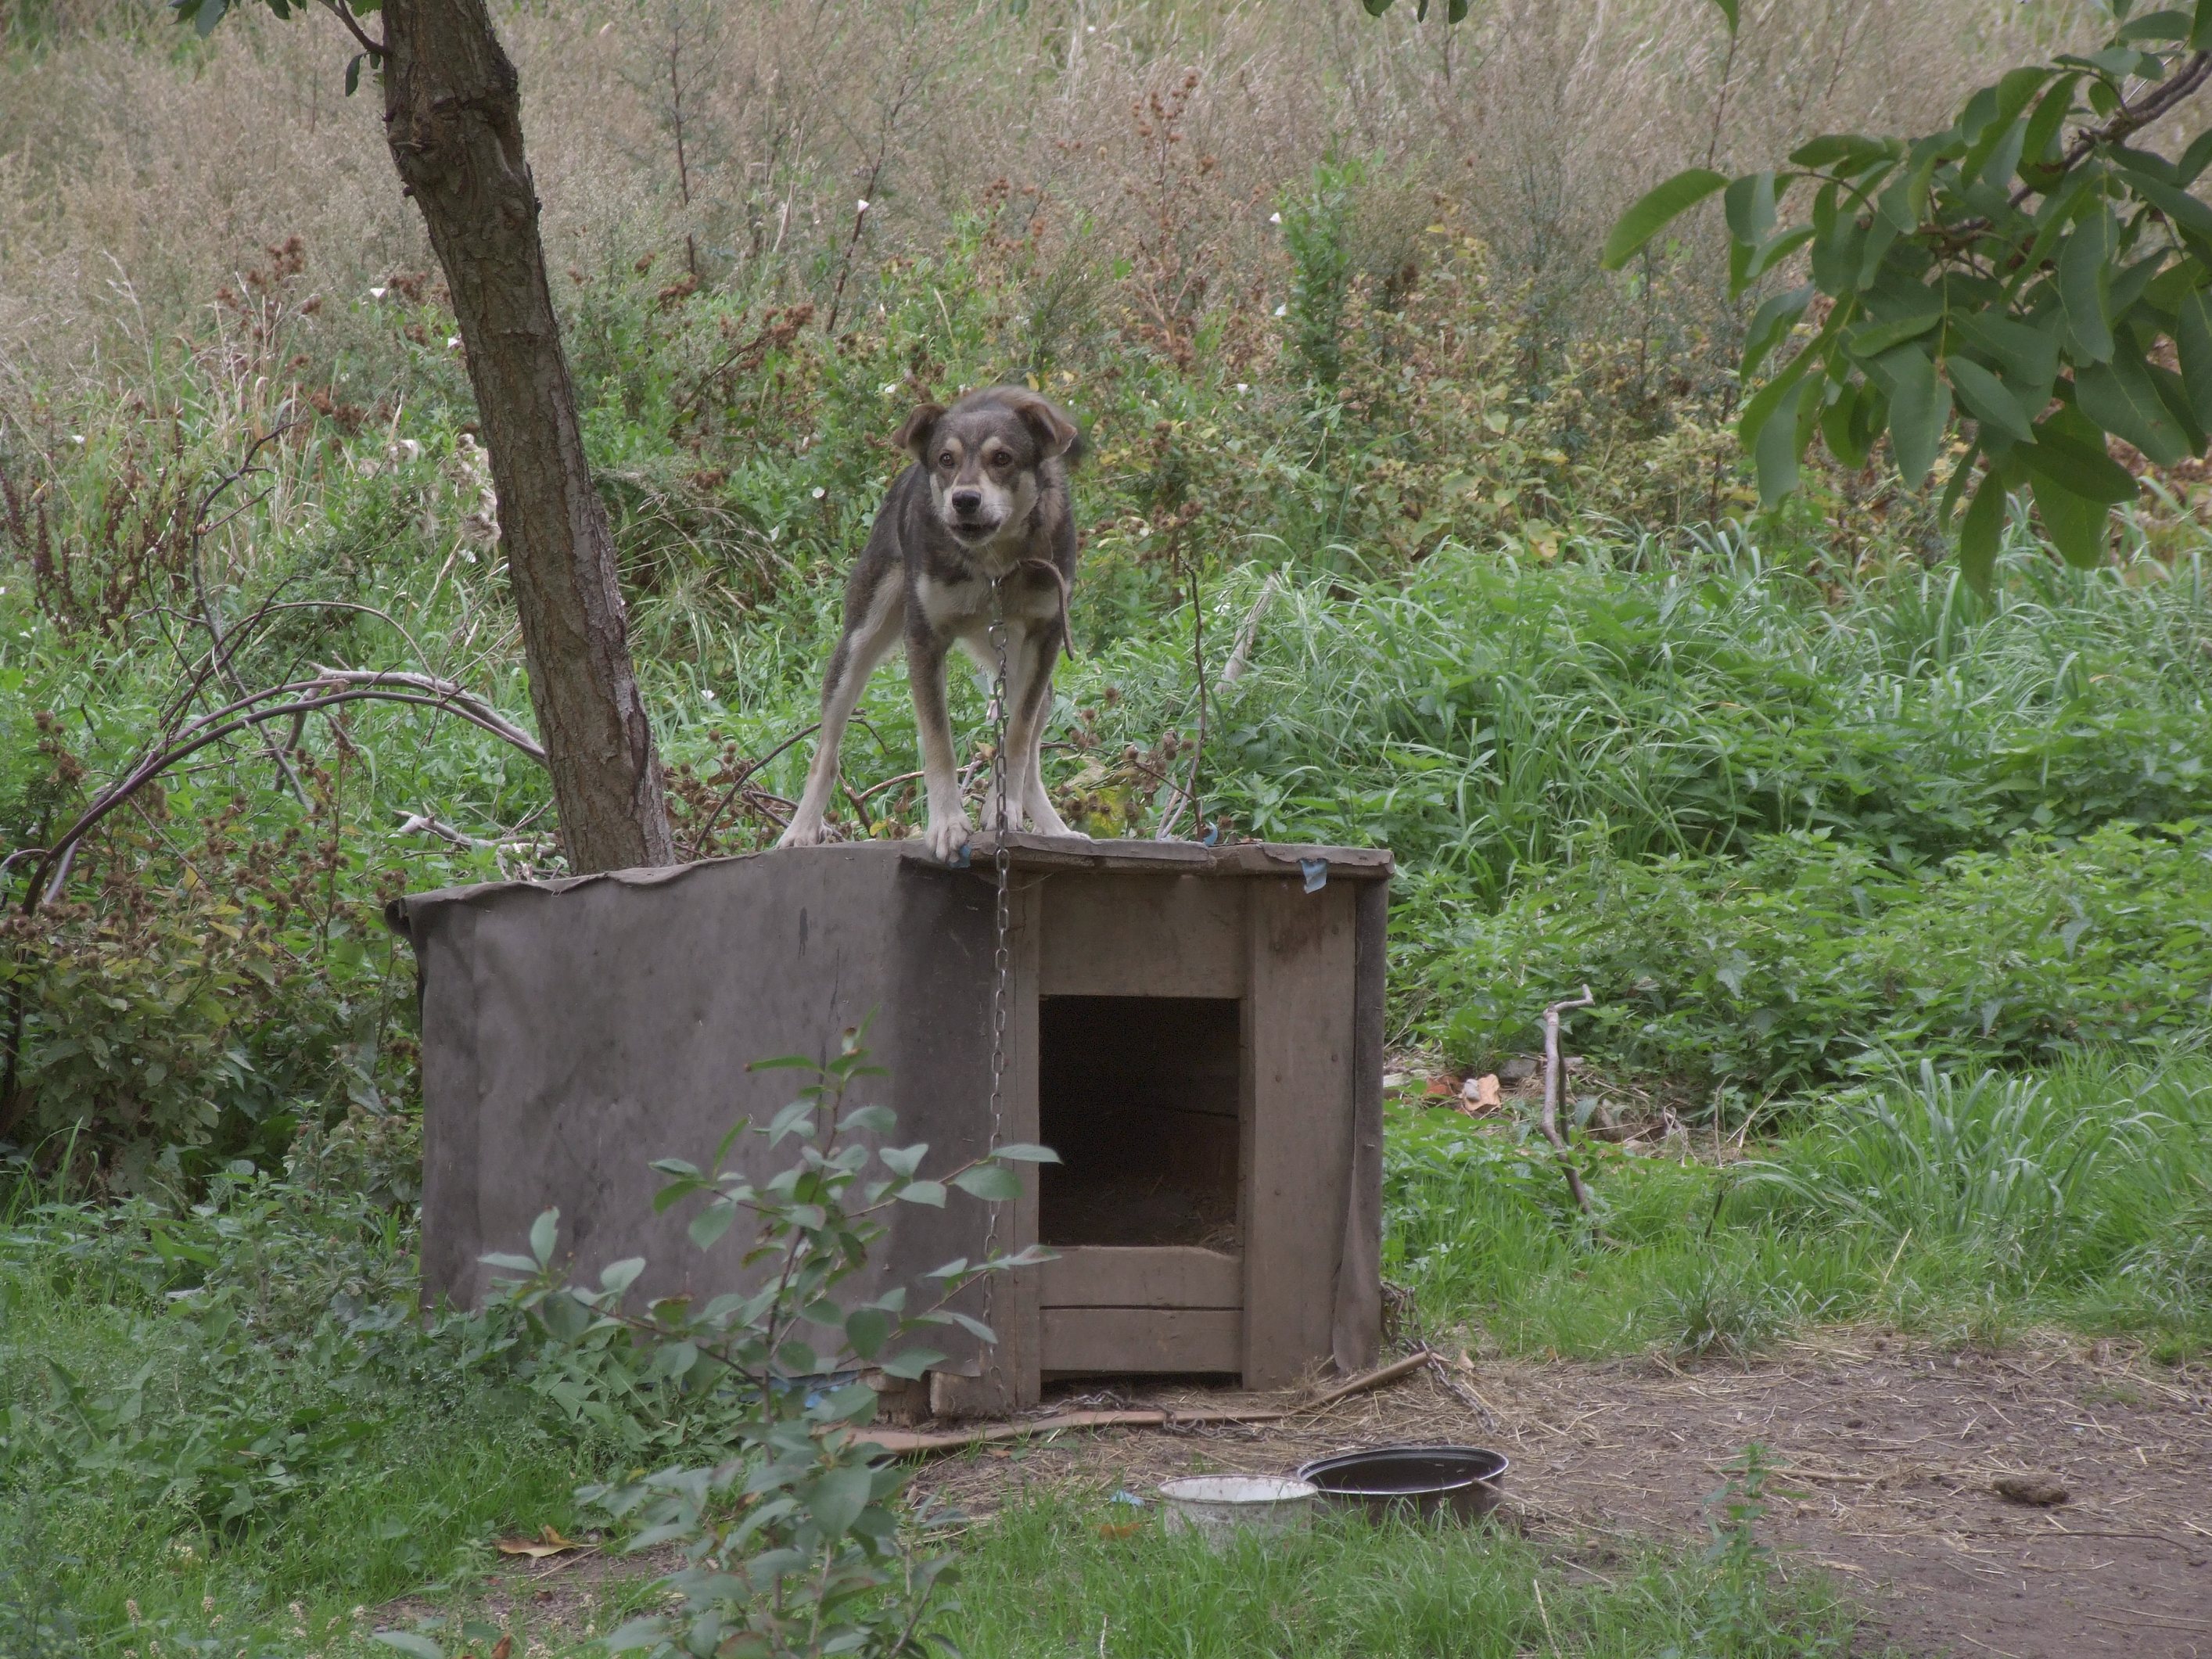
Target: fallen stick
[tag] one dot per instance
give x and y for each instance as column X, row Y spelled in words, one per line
column 906, row 1443
column 1374, row 1379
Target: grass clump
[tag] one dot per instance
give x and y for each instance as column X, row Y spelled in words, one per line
column 1044, row 1579
column 1962, row 1207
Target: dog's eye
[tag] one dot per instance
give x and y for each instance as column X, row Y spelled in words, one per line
column 946, row 460
column 1000, row 461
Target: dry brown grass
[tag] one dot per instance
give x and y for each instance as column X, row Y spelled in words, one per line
column 139, row 170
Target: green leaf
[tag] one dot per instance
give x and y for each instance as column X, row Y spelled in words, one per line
column 1843, row 425
column 2028, row 354
column 1873, row 339
column 866, row 1329
column 512, row 1264
column 1728, row 10
column 1920, row 411
column 904, row 1160
column 1851, row 150
column 2194, row 159
column 2014, row 95
column 421, row 1647
column 2075, row 525
column 2049, row 117
column 1024, row 1152
column 1750, row 205
column 2193, row 341
column 1987, row 400
column 1775, row 453
column 2085, row 281
column 1982, row 530
column 839, row 1495
column 646, row 1631
column 931, row 1192
column 618, row 1276
column 2074, row 463
column 544, row 1233
column 353, row 73
column 989, row 1182
column 868, row 1120
column 911, row 1364
column 2119, row 397
column 708, row 1226
column 1655, row 211
column 1376, row 7
column 2176, row 204
column 1770, row 324
column 2170, row 25
column 974, row 1328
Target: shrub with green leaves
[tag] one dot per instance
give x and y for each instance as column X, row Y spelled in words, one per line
column 2033, row 268
column 1811, row 960
column 792, row 1543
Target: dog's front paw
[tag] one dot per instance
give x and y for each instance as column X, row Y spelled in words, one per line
column 803, row 832
column 947, row 836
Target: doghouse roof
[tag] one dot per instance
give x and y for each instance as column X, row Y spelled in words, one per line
column 1023, row 852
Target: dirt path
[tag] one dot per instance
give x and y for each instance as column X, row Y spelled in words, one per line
column 1891, row 1453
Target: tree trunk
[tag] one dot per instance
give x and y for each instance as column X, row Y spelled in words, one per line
column 453, row 117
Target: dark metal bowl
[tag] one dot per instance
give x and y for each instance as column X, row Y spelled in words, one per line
column 1418, row 1481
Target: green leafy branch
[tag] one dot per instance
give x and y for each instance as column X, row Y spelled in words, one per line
column 2029, row 274
column 205, row 14
column 793, row 1544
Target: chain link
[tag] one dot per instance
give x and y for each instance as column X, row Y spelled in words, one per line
column 1002, row 956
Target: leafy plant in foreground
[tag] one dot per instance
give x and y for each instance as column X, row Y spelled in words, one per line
column 2029, row 266
column 793, row 1547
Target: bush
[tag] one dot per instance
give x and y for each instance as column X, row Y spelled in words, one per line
column 1811, row 960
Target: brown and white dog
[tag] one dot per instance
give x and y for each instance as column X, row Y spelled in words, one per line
column 987, row 500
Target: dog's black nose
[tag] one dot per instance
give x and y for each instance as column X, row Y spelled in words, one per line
column 965, row 501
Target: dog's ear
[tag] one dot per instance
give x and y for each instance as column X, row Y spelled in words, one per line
column 914, row 436
column 1056, row 434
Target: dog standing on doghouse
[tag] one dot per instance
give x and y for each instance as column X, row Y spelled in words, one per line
column 986, row 501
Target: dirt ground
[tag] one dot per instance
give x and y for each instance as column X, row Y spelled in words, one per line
column 1890, row 1456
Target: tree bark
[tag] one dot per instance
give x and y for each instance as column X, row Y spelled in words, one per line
column 452, row 117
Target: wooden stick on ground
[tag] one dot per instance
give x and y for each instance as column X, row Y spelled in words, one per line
column 901, row 1442
column 1550, row 1122
column 1374, row 1379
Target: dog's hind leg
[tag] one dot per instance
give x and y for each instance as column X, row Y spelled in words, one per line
column 1030, row 700
column 865, row 641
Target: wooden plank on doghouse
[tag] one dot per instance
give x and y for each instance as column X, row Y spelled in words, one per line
column 1141, row 936
column 1143, row 1340
column 1119, row 1276
column 1010, row 1379
column 1299, row 1128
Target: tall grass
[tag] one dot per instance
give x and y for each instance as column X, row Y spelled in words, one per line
column 1961, row 1206
column 1543, row 120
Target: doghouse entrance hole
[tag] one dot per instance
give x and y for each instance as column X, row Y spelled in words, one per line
column 1139, row 1097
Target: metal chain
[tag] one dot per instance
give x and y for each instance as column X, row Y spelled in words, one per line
column 1002, row 956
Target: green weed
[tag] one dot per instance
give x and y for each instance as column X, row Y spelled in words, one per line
column 1960, row 1208
column 1044, row 1578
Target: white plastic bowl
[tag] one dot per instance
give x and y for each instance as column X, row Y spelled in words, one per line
column 1219, row 1506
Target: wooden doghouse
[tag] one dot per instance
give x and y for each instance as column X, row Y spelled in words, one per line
column 1196, row 1031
